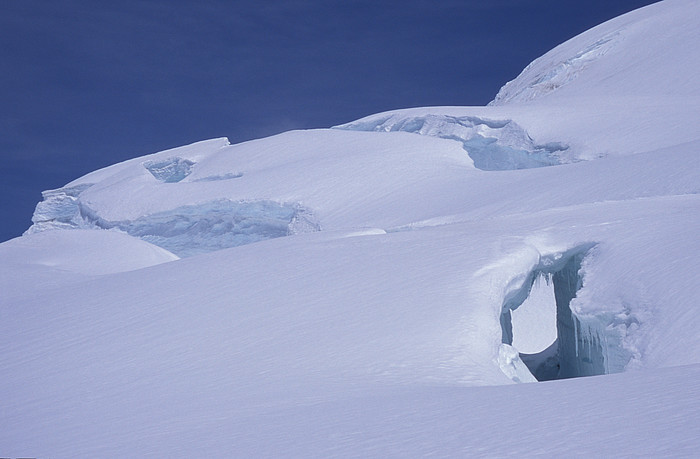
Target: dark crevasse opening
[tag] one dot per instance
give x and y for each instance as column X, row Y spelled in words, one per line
column 577, row 350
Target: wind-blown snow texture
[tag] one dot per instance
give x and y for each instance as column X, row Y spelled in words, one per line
column 344, row 290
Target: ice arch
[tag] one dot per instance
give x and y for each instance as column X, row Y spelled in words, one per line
column 581, row 346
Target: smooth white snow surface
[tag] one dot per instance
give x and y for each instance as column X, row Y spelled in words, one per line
column 534, row 321
column 345, row 290
column 81, row 252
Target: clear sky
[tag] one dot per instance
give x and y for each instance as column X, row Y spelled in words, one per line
column 87, row 83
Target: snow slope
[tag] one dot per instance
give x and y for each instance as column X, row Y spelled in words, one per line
column 343, row 291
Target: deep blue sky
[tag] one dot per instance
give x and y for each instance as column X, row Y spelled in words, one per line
column 87, row 83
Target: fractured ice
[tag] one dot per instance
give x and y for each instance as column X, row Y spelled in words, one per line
column 59, row 209
column 185, row 230
column 216, row 225
column 171, row 170
column 531, row 84
column 491, row 144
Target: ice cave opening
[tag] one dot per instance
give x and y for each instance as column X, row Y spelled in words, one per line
column 538, row 322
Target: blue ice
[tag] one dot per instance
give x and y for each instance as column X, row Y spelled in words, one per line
column 216, row 225
column 171, row 170
column 493, row 145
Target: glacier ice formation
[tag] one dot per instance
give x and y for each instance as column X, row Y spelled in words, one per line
column 584, row 346
column 186, row 230
column 58, row 209
column 170, row 170
column 492, row 144
column 533, row 83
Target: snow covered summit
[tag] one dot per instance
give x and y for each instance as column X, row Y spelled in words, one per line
column 341, row 291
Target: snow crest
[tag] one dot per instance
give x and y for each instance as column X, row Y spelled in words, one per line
column 492, row 144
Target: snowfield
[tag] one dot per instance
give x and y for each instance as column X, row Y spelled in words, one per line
column 391, row 287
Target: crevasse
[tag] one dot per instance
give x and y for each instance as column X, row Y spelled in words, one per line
column 186, row 230
column 585, row 345
column 491, row 144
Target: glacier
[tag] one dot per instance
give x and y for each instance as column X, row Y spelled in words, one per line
column 184, row 231
column 492, row 144
column 58, row 209
column 433, row 281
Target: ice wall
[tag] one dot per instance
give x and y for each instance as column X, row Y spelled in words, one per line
column 491, row 144
column 185, row 230
column 58, row 210
column 580, row 351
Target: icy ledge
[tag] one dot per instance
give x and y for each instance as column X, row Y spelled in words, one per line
column 186, row 230
column 492, row 144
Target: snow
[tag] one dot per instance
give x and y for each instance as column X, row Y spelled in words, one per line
column 53, row 258
column 534, row 320
column 387, row 287
column 608, row 61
